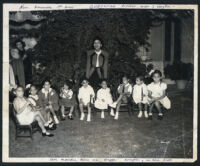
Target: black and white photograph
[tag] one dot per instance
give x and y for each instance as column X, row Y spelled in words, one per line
column 100, row 83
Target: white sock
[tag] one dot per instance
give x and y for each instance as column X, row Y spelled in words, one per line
column 89, row 118
column 116, row 115
column 82, row 116
column 112, row 112
column 102, row 115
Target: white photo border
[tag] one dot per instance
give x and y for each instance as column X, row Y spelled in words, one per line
column 7, row 7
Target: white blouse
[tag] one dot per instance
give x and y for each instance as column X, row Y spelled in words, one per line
column 157, row 89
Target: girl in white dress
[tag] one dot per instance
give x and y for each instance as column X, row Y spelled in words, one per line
column 85, row 97
column 26, row 114
column 140, row 95
column 157, row 94
column 104, row 99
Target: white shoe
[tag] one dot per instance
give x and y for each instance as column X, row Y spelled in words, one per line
column 88, row 118
column 150, row 114
column 140, row 114
column 102, row 115
column 113, row 105
column 116, row 116
column 56, row 120
column 82, row 116
column 146, row 114
column 112, row 112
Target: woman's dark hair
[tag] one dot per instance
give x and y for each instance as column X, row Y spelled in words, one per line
column 46, row 80
column 141, row 77
column 20, row 41
column 97, row 38
column 157, row 72
column 69, row 83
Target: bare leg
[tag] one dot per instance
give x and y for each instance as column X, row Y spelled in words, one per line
column 140, row 106
column 140, row 110
column 82, row 112
column 117, row 110
column 40, row 123
column 150, row 109
column 102, row 114
column 54, row 115
column 119, row 98
column 157, row 104
column 37, row 113
column 89, row 113
column 145, row 110
column 63, row 111
column 71, row 110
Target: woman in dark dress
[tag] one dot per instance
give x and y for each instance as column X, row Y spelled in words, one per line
column 20, row 45
column 18, row 67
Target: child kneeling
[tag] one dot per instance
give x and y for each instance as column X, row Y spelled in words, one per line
column 85, row 97
column 140, row 95
column 104, row 99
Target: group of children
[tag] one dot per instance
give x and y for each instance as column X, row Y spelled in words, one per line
column 43, row 106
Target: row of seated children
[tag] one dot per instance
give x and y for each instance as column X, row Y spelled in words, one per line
column 153, row 95
column 40, row 106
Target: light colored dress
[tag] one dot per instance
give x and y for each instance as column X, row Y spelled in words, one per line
column 105, row 95
column 140, row 93
column 85, row 94
column 27, row 116
column 157, row 91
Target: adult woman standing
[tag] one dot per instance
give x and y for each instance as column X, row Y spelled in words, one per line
column 20, row 45
column 18, row 67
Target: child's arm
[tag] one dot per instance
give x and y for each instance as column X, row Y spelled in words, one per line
column 129, row 91
column 18, row 108
column 80, row 96
column 161, row 97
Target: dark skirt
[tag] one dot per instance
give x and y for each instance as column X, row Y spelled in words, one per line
column 67, row 102
column 18, row 69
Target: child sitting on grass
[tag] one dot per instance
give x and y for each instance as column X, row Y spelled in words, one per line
column 85, row 97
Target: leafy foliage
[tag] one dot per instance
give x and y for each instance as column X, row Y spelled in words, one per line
column 67, row 35
column 179, row 71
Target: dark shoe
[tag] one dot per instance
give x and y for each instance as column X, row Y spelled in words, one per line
column 47, row 127
column 62, row 118
column 70, row 117
column 47, row 134
column 150, row 117
column 160, row 117
column 52, row 126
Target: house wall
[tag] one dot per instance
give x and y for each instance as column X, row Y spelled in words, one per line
column 157, row 41
column 187, row 40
